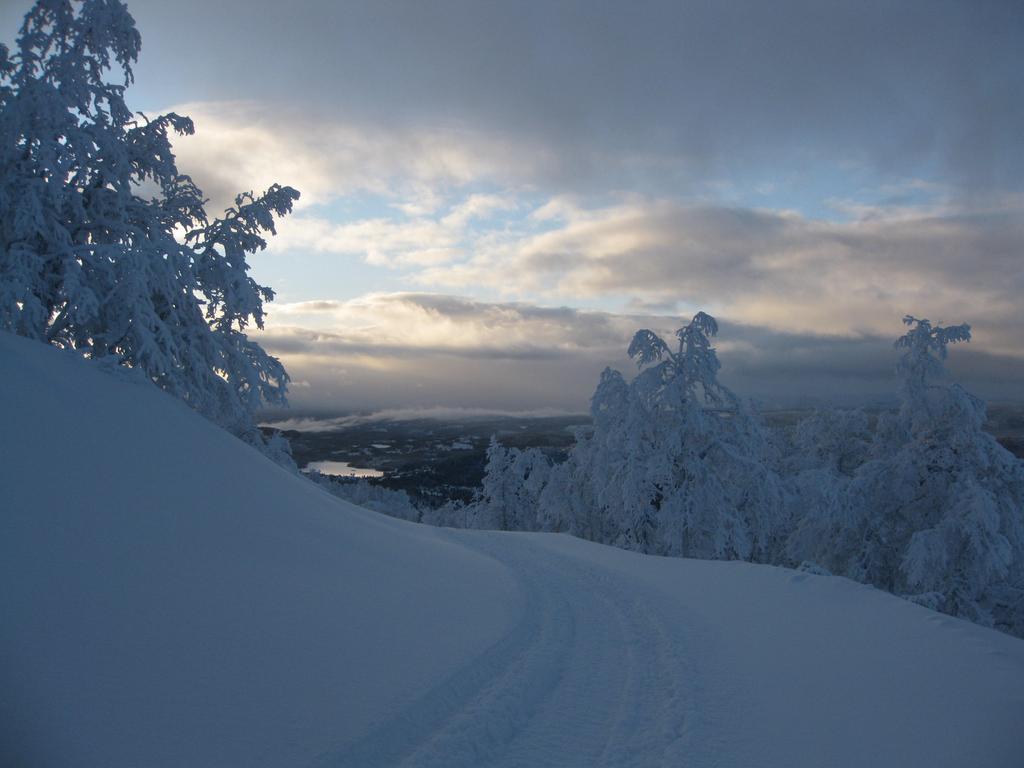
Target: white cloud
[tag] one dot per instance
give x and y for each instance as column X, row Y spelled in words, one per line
column 765, row 267
column 248, row 145
column 477, row 206
column 381, row 242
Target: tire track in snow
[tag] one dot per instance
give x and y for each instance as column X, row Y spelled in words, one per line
column 589, row 676
column 625, row 698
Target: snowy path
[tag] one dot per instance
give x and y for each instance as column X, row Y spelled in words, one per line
column 589, row 676
column 623, row 660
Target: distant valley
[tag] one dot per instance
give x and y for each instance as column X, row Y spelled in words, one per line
column 432, row 460
column 437, row 460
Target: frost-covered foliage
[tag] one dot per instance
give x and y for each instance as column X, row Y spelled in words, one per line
column 510, row 495
column 452, row 514
column 275, row 447
column 922, row 362
column 361, row 492
column 676, row 463
column 921, row 502
column 105, row 248
column 936, row 511
column 819, row 461
column 834, row 440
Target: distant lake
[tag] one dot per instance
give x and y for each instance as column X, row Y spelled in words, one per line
column 342, row 469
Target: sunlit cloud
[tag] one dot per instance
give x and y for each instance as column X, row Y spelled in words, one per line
column 766, row 267
column 255, row 144
column 381, row 242
column 477, row 206
column 411, row 324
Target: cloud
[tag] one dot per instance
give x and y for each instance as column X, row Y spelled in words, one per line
column 428, row 350
column 435, row 413
column 454, row 210
column 771, row 268
column 950, row 258
column 381, row 242
column 477, row 206
column 251, row 145
column 425, row 350
column 680, row 90
column 411, row 325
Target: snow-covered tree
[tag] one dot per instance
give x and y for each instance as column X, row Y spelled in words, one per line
column 105, row 248
column 509, row 498
column 921, row 364
column 835, row 440
column 675, row 463
column 819, row 461
column 363, row 493
column 697, row 471
column 692, row 369
column 937, row 510
column 581, row 496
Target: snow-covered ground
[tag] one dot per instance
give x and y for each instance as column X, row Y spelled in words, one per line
column 170, row 598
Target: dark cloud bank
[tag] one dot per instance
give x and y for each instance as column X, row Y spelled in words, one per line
column 920, row 87
column 779, row 369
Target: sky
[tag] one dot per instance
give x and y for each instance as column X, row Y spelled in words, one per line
column 495, row 196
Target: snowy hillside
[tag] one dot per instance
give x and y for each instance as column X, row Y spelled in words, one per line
column 171, row 598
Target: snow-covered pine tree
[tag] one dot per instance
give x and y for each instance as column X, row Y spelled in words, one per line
column 921, row 367
column 704, row 453
column 937, row 513
column 675, row 464
column 363, row 493
column 581, row 498
column 835, row 440
column 818, row 463
column 105, row 248
column 509, row 498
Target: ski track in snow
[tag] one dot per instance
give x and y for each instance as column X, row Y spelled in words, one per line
column 590, row 676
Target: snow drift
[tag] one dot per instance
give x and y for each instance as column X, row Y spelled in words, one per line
column 170, row 597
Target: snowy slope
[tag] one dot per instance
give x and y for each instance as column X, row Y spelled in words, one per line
column 170, row 598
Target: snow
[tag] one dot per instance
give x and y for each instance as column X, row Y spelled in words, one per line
column 170, row 597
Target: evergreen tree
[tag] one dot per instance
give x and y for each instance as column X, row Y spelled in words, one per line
column 937, row 511
column 509, row 498
column 676, row 463
column 105, row 248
